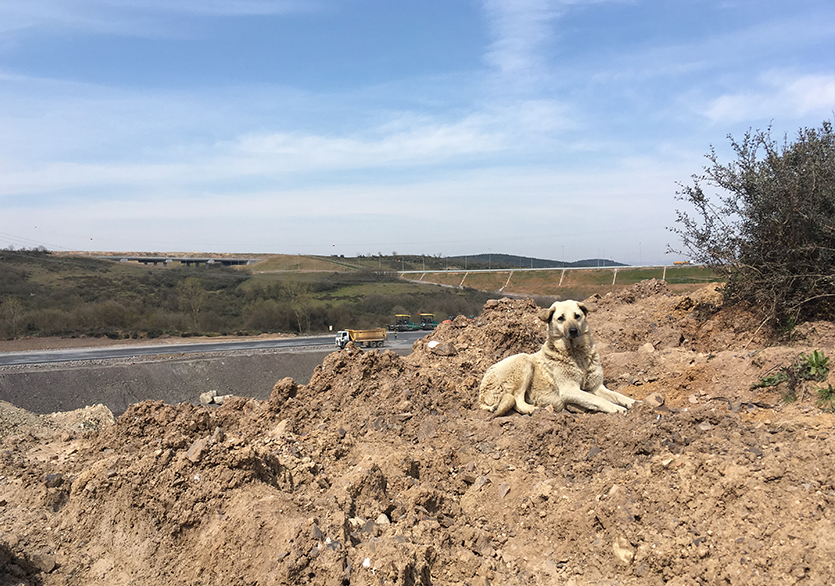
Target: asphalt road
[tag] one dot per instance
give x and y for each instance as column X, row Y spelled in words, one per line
column 404, row 339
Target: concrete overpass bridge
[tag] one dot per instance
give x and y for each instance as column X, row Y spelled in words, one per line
column 186, row 260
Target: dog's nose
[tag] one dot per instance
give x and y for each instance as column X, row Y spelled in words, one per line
column 573, row 332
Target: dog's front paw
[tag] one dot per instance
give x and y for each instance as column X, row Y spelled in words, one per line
column 525, row 409
column 624, row 401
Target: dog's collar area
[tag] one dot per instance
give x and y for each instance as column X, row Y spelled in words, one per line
column 570, row 344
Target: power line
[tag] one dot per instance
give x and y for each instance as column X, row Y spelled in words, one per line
column 29, row 242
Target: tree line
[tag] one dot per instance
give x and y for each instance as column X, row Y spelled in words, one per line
column 48, row 295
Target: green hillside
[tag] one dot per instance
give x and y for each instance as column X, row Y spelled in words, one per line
column 46, row 294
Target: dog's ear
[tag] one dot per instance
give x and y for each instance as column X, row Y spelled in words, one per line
column 546, row 314
column 583, row 307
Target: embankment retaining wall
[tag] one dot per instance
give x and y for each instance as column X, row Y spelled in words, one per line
column 117, row 384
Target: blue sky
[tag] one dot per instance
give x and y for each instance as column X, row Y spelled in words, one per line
column 554, row 129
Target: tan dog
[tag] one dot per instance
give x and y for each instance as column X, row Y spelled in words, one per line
column 566, row 371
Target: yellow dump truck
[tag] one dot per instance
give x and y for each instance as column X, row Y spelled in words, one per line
column 367, row 338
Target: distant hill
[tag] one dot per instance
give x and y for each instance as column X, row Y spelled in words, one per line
column 498, row 261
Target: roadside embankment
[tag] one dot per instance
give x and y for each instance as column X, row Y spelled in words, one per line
column 173, row 379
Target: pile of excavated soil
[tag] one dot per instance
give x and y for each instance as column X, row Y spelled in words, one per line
column 382, row 470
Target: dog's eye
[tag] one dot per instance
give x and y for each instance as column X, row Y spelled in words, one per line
column 561, row 318
column 576, row 316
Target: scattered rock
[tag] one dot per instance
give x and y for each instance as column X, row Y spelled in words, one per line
column 647, row 348
column 480, row 481
column 654, row 400
column 445, row 349
column 208, row 397
column 212, row 398
column 624, row 552
column 428, row 429
column 197, row 450
column 53, row 480
column 504, row 488
column 44, row 562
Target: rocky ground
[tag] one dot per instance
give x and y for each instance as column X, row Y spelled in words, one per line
column 381, row 470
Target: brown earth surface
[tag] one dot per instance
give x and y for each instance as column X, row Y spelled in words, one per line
column 382, row 470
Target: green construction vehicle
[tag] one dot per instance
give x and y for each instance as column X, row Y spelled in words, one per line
column 403, row 323
column 427, row 321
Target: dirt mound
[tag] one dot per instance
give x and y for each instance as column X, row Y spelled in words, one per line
column 14, row 420
column 382, row 471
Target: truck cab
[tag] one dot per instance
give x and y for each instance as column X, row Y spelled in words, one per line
column 342, row 338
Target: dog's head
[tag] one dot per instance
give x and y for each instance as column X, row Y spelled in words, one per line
column 565, row 319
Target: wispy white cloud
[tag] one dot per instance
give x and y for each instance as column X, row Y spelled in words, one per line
column 66, row 136
column 520, row 28
column 432, row 143
column 705, row 59
column 415, row 141
column 270, row 156
column 780, row 93
column 525, row 34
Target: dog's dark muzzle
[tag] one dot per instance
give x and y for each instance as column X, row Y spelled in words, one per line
column 573, row 332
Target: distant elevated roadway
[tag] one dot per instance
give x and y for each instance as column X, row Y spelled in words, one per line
column 186, row 260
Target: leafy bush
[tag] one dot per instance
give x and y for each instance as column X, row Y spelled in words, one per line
column 816, row 365
column 770, row 228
